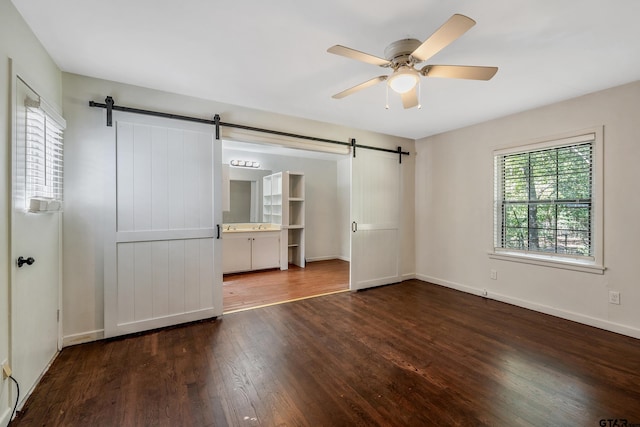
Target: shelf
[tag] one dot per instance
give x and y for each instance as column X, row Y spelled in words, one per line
column 296, row 214
column 296, row 199
column 293, row 245
column 296, row 185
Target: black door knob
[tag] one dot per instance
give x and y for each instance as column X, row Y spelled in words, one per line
column 22, row 261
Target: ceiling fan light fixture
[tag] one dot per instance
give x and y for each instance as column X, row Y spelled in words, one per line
column 404, row 79
column 403, row 55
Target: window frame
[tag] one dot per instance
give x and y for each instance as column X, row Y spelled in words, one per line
column 590, row 264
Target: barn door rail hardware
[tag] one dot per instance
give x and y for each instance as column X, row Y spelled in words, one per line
column 110, row 106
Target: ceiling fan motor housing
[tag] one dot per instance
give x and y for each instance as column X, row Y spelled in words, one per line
column 399, row 52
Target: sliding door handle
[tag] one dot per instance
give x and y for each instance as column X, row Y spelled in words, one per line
column 218, row 231
column 354, row 226
column 22, row 261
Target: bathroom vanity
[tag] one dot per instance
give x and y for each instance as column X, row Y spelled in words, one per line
column 250, row 246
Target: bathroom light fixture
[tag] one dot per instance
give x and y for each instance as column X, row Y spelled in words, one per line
column 244, row 164
column 404, row 79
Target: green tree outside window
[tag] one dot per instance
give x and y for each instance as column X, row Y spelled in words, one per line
column 546, row 200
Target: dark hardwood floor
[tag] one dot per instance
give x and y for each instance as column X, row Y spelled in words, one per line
column 258, row 288
column 411, row 354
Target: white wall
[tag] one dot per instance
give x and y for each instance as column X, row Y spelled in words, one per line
column 454, row 222
column 17, row 42
column 344, row 208
column 88, row 141
column 322, row 230
column 408, row 214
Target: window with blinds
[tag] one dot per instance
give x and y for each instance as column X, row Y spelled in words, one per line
column 44, row 159
column 544, row 199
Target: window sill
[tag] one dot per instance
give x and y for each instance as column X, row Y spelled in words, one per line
column 547, row 261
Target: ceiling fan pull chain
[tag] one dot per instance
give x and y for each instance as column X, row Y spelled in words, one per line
column 419, row 95
column 387, row 104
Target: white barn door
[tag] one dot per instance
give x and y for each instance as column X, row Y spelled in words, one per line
column 163, row 260
column 376, row 189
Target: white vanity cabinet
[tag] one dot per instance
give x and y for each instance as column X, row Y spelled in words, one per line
column 251, row 250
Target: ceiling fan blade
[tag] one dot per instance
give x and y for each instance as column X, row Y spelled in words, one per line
column 359, row 87
column 410, row 98
column 459, row 72
column 357, row 55
column 456, row 26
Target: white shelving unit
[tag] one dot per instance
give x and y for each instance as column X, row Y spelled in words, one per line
column 266, row 199
column 295, row 220
column 286, row 207
column 272, row 198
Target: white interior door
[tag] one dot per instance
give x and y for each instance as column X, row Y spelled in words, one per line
column 35, row 288
column 376, row 188
column 163, row 262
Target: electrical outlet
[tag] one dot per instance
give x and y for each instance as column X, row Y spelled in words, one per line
column 6, row 370
column 614, row 297
column 493, row 274
column 484, row 292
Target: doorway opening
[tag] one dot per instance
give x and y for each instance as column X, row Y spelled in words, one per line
column 326, row 255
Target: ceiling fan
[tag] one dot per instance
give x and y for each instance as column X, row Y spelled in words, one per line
column 403, row 55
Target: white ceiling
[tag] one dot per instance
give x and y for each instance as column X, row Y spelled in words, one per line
column 271, row 55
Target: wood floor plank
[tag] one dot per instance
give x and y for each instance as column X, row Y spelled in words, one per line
column 411, row 354
column 258, row 288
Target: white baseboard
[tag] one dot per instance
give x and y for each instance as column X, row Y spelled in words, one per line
column 326, row 258
column 82, row 337
column 408, row 276
column 564, row 314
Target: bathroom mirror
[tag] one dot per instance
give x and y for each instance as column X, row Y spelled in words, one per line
column 245, row 195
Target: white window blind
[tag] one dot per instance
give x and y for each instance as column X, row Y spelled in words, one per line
column 544, row 199
column 44, row 158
